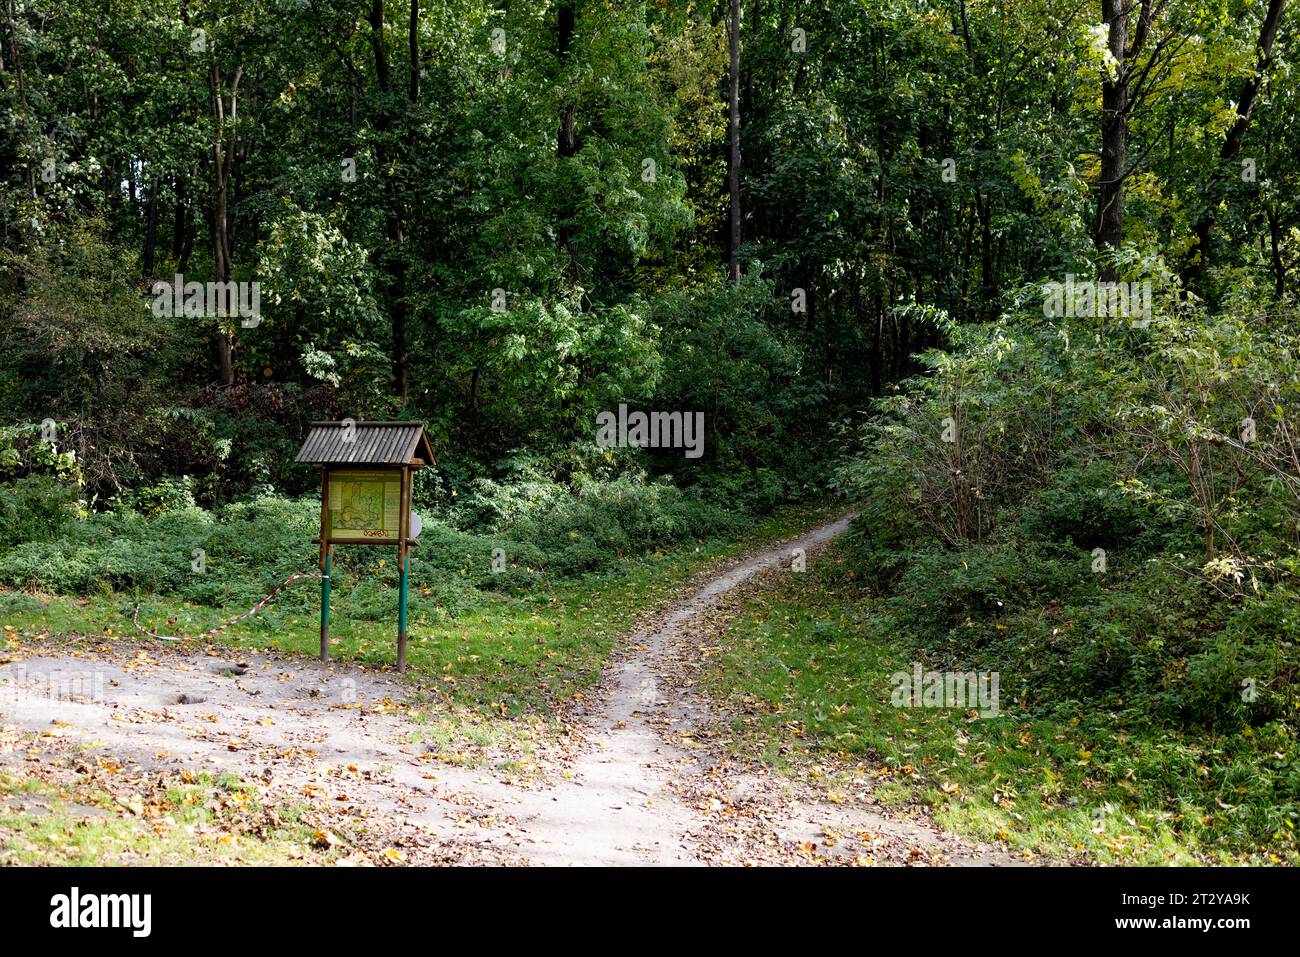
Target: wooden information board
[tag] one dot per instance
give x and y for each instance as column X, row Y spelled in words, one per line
column 366, row 473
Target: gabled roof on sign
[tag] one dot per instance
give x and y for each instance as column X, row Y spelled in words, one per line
column 366, row 443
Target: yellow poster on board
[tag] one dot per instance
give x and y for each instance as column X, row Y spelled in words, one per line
column 365, row 505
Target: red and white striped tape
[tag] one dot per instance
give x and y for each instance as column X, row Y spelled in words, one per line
column 220, row 628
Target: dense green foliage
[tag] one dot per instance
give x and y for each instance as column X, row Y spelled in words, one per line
column 523, row 225
column 1105, row 534
column 1099, row 528
column 543, row 529
column 504, row 219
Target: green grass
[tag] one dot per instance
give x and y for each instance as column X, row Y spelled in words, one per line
column 807, row 662
column 187, row 819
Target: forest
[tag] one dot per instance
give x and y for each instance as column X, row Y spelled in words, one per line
column 1007, row 289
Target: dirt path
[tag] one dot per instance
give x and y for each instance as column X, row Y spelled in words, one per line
column 637, row 783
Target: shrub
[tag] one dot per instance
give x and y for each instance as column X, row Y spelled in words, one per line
column 36, row 508
column 1096, row 436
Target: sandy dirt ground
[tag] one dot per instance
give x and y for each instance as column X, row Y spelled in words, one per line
column 638, row 780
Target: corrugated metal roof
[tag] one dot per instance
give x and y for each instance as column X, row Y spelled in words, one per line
column 366, row 443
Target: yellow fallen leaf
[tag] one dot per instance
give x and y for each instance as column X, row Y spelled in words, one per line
column 327, row 839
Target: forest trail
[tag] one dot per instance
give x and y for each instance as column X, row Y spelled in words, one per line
column 636, row 781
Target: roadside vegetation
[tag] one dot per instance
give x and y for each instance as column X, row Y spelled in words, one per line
column 1106, row 517
column 71, row 808
column 806, row 671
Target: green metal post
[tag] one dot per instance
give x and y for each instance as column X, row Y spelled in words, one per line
column 401, row 613
column 325, row 607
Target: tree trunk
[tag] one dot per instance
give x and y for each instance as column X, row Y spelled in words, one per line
column 733, row 242
column 967, row 244
column 565, row 23
column 567, row 141
column 413, row 47
column 16, row 57
column 1200, row 250
column 222, row 238
column 1275, row 250
column 1114, row 134
column 180, row 221
column 393, row 225
column 877, row 333
column 151, row 227
column 988, row 286
column 401, row 337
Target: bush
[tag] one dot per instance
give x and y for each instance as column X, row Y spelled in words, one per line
column 543, row 528
column 1082, row 504
column 958, row 602
column 36, row 509
column 1093, row 525
column 606, row 521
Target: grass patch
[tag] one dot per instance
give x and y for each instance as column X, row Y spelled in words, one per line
column 807, row 666
column 79, row 819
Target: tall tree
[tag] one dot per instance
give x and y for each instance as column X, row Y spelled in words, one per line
column 733, row 237
column 224, row 97
column 1114, row 120
column 1231, row 147
column 1141, row 53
